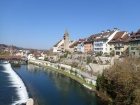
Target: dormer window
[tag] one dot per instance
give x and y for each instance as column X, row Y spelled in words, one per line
column 98, row 37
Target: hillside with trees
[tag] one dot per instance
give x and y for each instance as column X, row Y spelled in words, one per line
column 121, row 82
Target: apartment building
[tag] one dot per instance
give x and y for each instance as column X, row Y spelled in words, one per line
column 80, row 46
column 119, row 43
column 59, row 46
column 134, row 48
column 73, row 47
column 101, row 40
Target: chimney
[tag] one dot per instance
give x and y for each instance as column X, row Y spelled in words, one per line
column 115, row 29
column 132, row 33
column 102, row 32
column 108, row 30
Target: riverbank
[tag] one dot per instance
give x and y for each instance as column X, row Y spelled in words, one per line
column 70, row 75
column 105, row 99
column 92, row 88
column 44, row 85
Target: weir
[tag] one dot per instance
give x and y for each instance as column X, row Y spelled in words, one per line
column 17, row 83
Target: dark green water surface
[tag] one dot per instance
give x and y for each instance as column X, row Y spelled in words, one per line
column 48, row 87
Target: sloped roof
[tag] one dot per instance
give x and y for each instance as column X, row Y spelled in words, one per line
column 104, row 35
column 82, row 40
column 120, row 37
column 57, row 43
column 74, row 44
column 100, row 36
column 92, row 37
column 137, row 34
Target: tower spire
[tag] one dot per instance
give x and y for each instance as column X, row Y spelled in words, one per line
column 66, row 40
column 66, row 32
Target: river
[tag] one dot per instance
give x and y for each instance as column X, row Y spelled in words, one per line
column 48, row 87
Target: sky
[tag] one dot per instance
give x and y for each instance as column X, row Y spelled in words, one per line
column 40, row 24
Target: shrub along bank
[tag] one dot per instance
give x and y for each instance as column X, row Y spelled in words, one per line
column 120, row 84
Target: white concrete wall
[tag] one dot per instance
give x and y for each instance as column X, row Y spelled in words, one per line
column 80, row 74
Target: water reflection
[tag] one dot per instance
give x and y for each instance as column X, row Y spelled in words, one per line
column 52, row 88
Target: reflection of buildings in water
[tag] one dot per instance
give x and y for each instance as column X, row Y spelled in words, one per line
column 59, row 80
column 33, row 68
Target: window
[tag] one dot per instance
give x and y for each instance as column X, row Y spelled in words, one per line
column 117, row 48
column 118, row 44
column 132, row 48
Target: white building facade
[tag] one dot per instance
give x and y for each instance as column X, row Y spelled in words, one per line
column 58, row 47
column 101, row 41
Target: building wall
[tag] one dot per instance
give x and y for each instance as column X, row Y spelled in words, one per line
column 98, row 46
column 66, row 42
column 118, row 50
column 102, row 45
column 55, row 49
column 71, row 49
column 80, row 47
column 58, row 47
column 133, row 50
column 75, row 48
column 88, row 47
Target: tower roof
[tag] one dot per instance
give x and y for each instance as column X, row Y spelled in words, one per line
column 66, row 33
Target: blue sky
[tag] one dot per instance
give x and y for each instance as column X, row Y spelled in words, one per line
column 41, row 23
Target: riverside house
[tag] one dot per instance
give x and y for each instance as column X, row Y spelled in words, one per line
column 101, row 40
column 134, row 49
column 58, row 47
column 73, row 47
column 80, row 46
column 119, row 43
column 88, row 46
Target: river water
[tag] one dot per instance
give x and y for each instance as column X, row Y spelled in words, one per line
column 48, row 87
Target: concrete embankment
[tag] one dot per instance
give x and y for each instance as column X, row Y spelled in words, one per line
column 79, row 76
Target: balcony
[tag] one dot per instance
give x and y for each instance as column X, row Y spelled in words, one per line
column 98, row 46
column 119, row 46
column 117, row 49
column 135, row 39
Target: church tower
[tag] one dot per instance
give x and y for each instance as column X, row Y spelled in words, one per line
column 66, row 40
